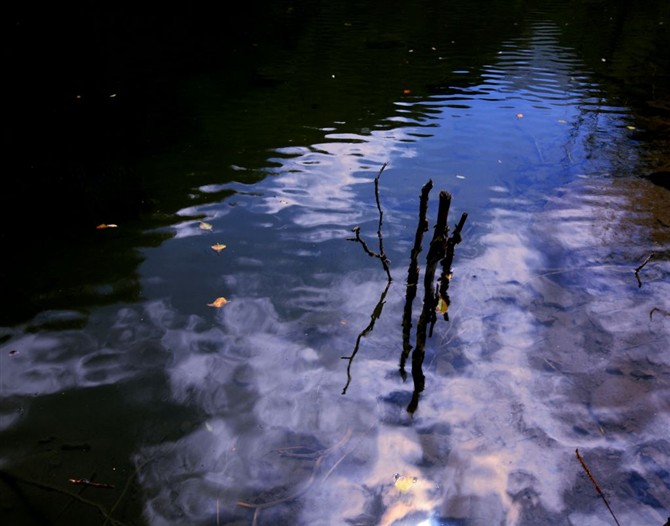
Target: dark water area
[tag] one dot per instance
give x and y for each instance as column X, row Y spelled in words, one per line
column 129, row 396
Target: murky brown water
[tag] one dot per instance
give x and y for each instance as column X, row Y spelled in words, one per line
column 286, row 405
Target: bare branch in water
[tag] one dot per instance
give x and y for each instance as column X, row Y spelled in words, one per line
column 595, row 485
column 381, row 255
column 436, row 252
column 413, row 276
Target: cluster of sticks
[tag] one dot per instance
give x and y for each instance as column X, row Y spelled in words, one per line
column 436, row 296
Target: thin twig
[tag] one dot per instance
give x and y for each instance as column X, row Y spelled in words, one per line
column 595, row 485
column 357, row 230
column 381, row 255
column 301, row 491
column 14, row 478
column 638, row 269
column 648, row 258
column 126, row 486
column 376, row 313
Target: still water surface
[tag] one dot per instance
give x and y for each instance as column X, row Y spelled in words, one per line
column 248, row 413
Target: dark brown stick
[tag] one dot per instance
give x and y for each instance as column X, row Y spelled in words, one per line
column 413, row 276
column 435, row 253
column 445, row 278
column 595, row 485
column 382, row 254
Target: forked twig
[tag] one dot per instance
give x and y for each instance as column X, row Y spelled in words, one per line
column 381, row 255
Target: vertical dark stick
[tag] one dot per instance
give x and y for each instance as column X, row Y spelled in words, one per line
column 435, row 254
column 382, row 254
column 413, row 276
column 448, row 260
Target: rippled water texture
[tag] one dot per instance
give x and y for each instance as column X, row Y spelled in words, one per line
column 286, row 405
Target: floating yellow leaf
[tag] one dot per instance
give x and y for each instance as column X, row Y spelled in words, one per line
column 403, row 483
column 205, row 226
column 442, row 306
column 218, row 247
column 631, row 127
column 218, row 302
column 110, row 225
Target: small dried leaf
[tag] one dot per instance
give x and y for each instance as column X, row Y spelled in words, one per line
column 218, row 302
column 403, row 483
column 205, row 226
column 218, row 247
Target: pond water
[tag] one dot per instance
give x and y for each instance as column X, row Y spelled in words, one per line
column 546, row 396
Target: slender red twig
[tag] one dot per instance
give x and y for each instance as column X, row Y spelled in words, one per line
column 595, row 485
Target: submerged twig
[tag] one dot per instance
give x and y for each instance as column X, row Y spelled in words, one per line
column 90, row 484
column 13, row 481
column 258, row 507
column 595, row 485
column 648, row 258
column 382, row 254
column 126, row 486
column 639, row 268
